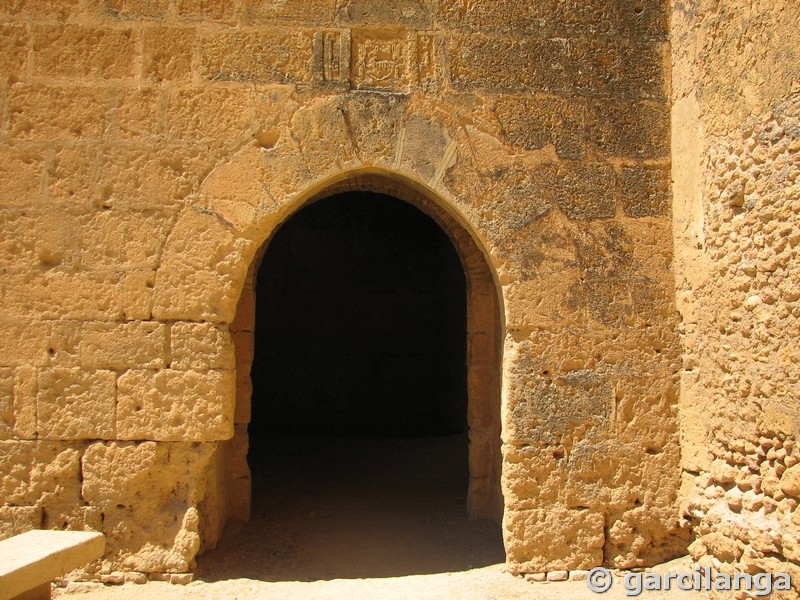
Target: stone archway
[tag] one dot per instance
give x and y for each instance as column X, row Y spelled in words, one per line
column 484, row 346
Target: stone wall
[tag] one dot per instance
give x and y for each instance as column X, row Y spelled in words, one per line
column 149, row 148
column 736, row 142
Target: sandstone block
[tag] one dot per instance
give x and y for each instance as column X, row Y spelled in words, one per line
column 25, row 390
column 41, row 112
column 40, row 472
column 201, row 346
column 81, row 51
column 21, row 172
column 214, row 10
column 245, row 311
column 72, row 517
column 643, row 536
column 7, row 419
column 616, row 67
column 18, row 519
column 531, row 476
column 244, row 343
column 375, row 120
column 138, row 113
column 645, row 191
column 131, row 484
column 170, row 405
column 167, row 54
column 410, row 13
column 42, row 9
column 74, row 404
column 137, row 294
column 244, row 393
column 236, row 454
column 545, row 405
column 583, row 190
column 144, row 177
column 61, row 295
column 144, row 233
column 263, row 56
column 209, row 113
column 25, row 342
column 36, row 238
column 14, row 49
column 558, row 18
column 531, row 547
column 790, row 481
column 136, row 9
column 550, row 300
column 202, row 270
column 324, row 138
column 318, row 12
column 72, row 175
column 629, row 129
column 424, row 147
column 120, row 346
column 534, row 122
column 502, row 63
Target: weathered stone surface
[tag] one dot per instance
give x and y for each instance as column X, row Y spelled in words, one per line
column 57, row 112
column 292, row 11
column 202, row 251
column 74, row 404
column 40, row 472
column 533, row 122
column 78, row 51
column 645, row 191
column 138, row 344
column 18, row 519
column 201, row 346
column 171, row 405
column 266, row 56
column 25, row 342
column 167, row 54
column 7, row 418
column 217, row 10
column 58, row 294
column 131, row 483
column 412, row 13
column 132, row 9
column 629, row 129
column 144, row 232
column 21, row 172
column 15, row 49
column 735, row 214
column 525, row 533
column 583, row 190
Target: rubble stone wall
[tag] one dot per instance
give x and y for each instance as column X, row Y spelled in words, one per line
column 736, row 143
column 149, row 148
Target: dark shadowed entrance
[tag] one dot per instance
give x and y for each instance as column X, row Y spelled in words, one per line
column 365, row 441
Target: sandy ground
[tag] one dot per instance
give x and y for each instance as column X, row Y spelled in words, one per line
column 351, row 518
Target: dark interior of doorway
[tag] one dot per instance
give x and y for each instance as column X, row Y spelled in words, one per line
column 358, row 444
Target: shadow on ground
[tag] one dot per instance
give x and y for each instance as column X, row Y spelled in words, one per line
column 347, row 508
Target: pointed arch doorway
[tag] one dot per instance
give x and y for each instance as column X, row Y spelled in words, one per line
column 374, row 435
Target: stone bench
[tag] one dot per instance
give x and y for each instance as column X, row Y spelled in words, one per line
column 30, row 561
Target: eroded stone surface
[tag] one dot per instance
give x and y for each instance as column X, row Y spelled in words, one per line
column 736, row 204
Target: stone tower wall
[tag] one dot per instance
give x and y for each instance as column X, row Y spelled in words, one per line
column 736, row 143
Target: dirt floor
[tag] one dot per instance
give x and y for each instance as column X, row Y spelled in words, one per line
column 358, row 518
